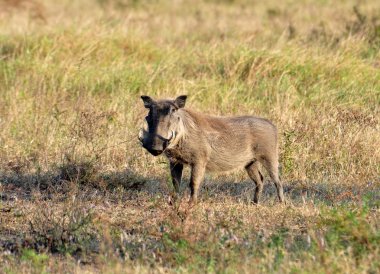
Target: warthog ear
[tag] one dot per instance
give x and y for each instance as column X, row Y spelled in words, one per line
column 180, row 101
column 147, row 101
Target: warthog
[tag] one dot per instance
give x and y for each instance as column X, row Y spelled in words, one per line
column 210, row 143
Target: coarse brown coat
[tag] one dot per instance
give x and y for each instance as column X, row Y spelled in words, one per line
column 210, row 143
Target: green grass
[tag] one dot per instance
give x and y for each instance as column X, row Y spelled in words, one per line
column 78, row 193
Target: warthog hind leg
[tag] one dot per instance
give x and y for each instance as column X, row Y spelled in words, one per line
column 271, row 166
column 254, row 173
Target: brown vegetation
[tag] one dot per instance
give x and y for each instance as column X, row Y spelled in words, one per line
column 78, row 193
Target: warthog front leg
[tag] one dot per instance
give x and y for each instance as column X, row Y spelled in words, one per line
column 176, row 173
column 197, row 174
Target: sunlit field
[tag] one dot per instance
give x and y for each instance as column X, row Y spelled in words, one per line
column 78, row 194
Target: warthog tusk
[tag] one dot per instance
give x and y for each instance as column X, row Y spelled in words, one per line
column 141, row 135
column 171, row 136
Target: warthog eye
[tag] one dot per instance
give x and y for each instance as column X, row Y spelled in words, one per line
column 172, row 110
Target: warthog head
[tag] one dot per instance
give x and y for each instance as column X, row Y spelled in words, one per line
column 163, row 123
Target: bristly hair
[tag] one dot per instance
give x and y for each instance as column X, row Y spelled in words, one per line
column 186, row 122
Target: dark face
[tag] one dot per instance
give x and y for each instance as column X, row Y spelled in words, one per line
column 162, row 123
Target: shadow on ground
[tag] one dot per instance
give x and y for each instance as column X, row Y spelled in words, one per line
column 31, row 220
column 297, row 192
column 19, row 185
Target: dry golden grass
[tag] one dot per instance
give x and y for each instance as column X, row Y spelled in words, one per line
column 77, row 192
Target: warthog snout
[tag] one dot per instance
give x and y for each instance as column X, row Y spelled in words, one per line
column 155, row 144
